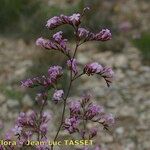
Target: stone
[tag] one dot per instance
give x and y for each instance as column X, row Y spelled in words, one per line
column 130, row 146
column 4, row 111
column 12, row 103
column 27, row 101
column 119, row 75
column 83, row 59
column 107, row 138
column 120, row 130
column 135, row 64
column 2, row 98
column 1, row 124
column 121, row 61
column 127, row 111
column 12, row 116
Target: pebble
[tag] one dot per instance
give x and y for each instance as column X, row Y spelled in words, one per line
column 2, row 98
column 27, row 101
column 120, row 130
column 12, row 103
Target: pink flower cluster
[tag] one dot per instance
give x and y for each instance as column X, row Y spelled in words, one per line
column 54, row 73
column 72, row 65
column 95, row 68
column 71, row 124
column 56, row 43
column 56, row 21
column 58, row 95
column 103, row 35
column 27, row 124
column 33, row 124
column 86, row 110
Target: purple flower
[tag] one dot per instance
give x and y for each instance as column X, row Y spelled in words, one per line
column 26, row 125
column 61, row 43
column 108, row 75
column 41, row 98
column 21, row 120
column 41, row 42
column 93, row 133
column 55, row 72
column 46, row 80
column 45, row 43
column 75, row 19
column 44, row 128
column 93, row 68
column 17, row 130
column 58, row 36
column 54, row 22
column 82, row 33
column 62, row 19
column 1, row 147
column 21, row 141
column 81, row 111
column 46, row 116
column 103, row 35
column 57, row 42
column 8, row 135
column 58, row 95
column 71, row 124
column 93, row 110
column 27, row 83
column 72, row 64
column 109, row 119
column 85, row 99
column 31, row 118
column 26, row 119
column 75, row 107
column 107, row 72
column 28, row 134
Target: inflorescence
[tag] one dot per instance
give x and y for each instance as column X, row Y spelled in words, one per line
column 33, row 124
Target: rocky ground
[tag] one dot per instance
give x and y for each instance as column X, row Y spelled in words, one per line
column 128, row 98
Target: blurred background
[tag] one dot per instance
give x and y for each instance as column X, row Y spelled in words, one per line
column 23, row 21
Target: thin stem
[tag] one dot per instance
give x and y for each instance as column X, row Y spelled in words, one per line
column 65, row 100
column 64, row 108
column 76, row 77
column 76, row 48
column 84, row 124
column 68, row 92
column 41, row 112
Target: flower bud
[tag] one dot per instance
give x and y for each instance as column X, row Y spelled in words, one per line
column 75, row 107
column 75, row 19
column 58, row 95
column 82, row 33
column 103, row 35
column 93, row 68
column 72, row 64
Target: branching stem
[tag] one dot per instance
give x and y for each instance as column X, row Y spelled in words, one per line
column 66, row 97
